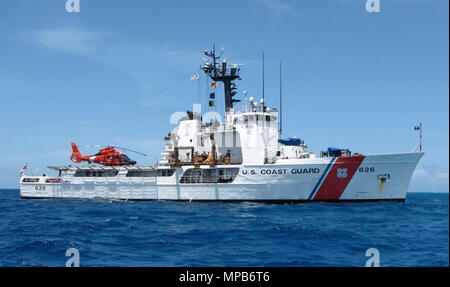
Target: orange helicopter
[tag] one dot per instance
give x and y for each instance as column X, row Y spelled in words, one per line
column 107, row 156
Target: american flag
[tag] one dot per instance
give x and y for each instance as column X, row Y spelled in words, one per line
column 26, row 167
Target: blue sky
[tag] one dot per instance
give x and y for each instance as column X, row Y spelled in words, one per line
column 116, row 71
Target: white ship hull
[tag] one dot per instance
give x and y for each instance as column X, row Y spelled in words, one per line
column 356, row 178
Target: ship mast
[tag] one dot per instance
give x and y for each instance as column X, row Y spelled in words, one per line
column 220, row 72
column 281, row 107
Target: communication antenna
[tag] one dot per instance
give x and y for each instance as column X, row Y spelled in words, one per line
column 245, row 101
column 281, row 104
column 220, row 71
column 263, row 103
column 419, row 128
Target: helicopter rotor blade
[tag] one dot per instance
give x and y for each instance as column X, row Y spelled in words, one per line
column 130, row 150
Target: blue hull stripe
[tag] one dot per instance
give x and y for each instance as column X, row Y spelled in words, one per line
column 321, row 178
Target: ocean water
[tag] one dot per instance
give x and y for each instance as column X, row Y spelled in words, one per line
column 117, row 233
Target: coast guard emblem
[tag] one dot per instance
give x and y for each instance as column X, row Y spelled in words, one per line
column 341, row 172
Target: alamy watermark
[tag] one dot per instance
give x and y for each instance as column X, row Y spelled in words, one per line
column 374, row 257
column 74, row 260
column 73, row 6
column 373, row 6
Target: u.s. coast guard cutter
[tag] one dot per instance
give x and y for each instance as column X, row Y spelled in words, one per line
column 242, row 158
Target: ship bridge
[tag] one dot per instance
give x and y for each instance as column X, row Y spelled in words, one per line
column 249, row 135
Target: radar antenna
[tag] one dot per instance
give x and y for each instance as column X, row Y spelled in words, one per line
column 220, row 72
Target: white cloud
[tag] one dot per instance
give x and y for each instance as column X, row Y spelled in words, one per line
column 69, row 40
column 431, row 176
column 420, row 172
column 442, row 175
column 278, row 7
column 428, row 180
column 136, row 60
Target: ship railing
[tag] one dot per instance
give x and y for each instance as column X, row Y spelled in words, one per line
column 138, row 180
column 99, row 180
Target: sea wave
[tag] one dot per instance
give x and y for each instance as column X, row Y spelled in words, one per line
column 117, row 233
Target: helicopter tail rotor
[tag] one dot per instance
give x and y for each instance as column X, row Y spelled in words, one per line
column 76, row 155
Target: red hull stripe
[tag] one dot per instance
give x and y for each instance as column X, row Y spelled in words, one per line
column 338, row 178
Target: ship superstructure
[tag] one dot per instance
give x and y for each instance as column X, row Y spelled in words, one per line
column 241, row 158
